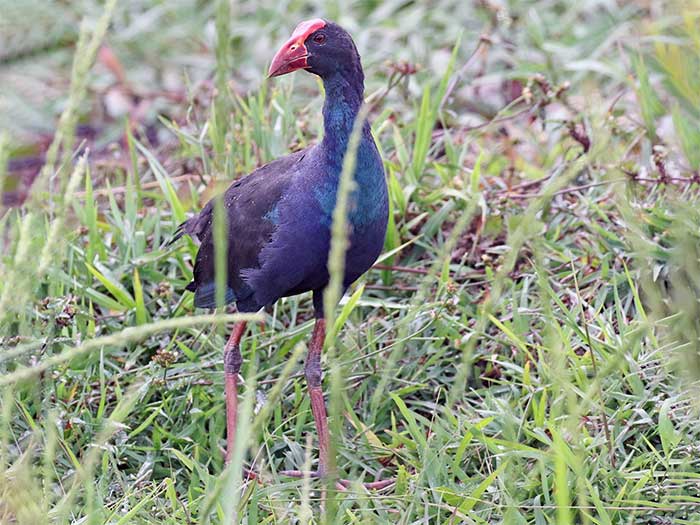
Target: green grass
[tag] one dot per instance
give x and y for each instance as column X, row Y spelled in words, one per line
column 532, row 358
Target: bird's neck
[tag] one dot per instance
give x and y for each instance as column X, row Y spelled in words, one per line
column 369, row 200
column 344, row 95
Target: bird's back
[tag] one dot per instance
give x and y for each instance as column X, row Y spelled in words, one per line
column 249, row 205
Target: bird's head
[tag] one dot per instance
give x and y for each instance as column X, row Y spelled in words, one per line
column 318, row 46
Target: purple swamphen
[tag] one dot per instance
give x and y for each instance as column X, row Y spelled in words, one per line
column 279, row 217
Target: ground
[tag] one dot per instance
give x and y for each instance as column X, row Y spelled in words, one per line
column 525, row 351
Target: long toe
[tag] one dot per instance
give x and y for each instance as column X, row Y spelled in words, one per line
column 341, row 484
column 370, row 485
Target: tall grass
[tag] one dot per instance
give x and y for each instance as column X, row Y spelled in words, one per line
column 532, row 357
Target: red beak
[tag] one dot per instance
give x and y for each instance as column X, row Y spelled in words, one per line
column 293, row 54
column 290, row 57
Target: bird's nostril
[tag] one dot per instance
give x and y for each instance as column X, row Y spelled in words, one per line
column 293, row 47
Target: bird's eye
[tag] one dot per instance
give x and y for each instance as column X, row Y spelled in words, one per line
column 319, row 38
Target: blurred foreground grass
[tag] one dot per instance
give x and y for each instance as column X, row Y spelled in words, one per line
column 532, row 357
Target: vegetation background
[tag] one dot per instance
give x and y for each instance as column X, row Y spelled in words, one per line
column 527, row 351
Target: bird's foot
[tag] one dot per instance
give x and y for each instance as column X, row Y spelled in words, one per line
column 341, row 484
column 249, row 474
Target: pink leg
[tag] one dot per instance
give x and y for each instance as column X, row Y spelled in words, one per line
column 232, row 366
column 312, row 371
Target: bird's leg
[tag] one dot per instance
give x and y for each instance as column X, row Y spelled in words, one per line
column 232, row 366
column 312, row 371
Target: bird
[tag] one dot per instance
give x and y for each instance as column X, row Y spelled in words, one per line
column 279, row 217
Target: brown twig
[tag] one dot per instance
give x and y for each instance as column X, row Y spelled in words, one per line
column 405, row 269
column 573, row 189
column 498, row 120
column 484, row 40
column 393, row 288
column 147, row 185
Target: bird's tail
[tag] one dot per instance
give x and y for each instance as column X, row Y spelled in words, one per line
column 189, row 227
column 179, row 232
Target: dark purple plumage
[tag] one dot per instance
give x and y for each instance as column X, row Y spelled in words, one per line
column 279, row 216
column 279, row 221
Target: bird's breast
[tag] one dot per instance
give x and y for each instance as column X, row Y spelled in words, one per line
column 367, row 203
